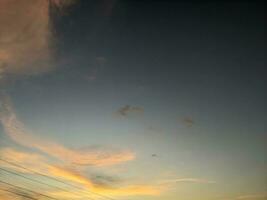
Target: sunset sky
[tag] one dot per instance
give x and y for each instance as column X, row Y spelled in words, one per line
column 132, row 100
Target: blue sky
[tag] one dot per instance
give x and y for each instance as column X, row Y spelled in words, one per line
column 134, row 100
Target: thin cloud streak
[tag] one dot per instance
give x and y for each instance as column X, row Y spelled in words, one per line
column 188, row 180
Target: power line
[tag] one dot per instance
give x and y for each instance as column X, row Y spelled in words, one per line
column 17, row 174
column 34, row 180
column 40, row 182
column 27, row 190
column 35, row 172
column 18, row 194
column 55, row 179
column 52, row 178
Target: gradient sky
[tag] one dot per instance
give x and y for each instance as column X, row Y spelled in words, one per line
column 133, row 100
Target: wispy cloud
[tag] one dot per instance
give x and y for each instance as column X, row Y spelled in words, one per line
column 26, row 42
column 89, row 156
column 26, row 37
column 98, row 183
column 106, row 189
column 29, row 159
column 187, row 180
column 128, row 109
column 188, row 121
column 100, row 156
column 6, row 195
column 105, row 180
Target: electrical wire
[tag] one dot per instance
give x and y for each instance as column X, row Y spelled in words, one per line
column 55, row 179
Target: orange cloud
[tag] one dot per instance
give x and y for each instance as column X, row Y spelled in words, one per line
column 70, row 175
column 25, row 36
column 87, row 156
column 4, row 195
column 133, row 190
column 94, row 156
column 26, row 39
column 39, row 164
column 121, row 192
column 29, row 160
column 101, row 156
column 130, row 190
column 67, row 195
column 26, row 47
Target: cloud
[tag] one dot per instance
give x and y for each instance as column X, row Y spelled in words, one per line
column 88, row 156
column 127, row 110
column 187, row 180
column 102, row 156
column 71, row 175
column 97, row 183
column 62, row 3
column 30, row 160
column 93, row 156
column 26, row 39
column 135, row 190
column 128, row 191
column 39, row 163
column 82, row 157
column 188, row 121
column 4, row 195
column 105, row 180
column 26, row 48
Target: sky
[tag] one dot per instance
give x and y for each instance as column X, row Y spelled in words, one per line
column 132, row 100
